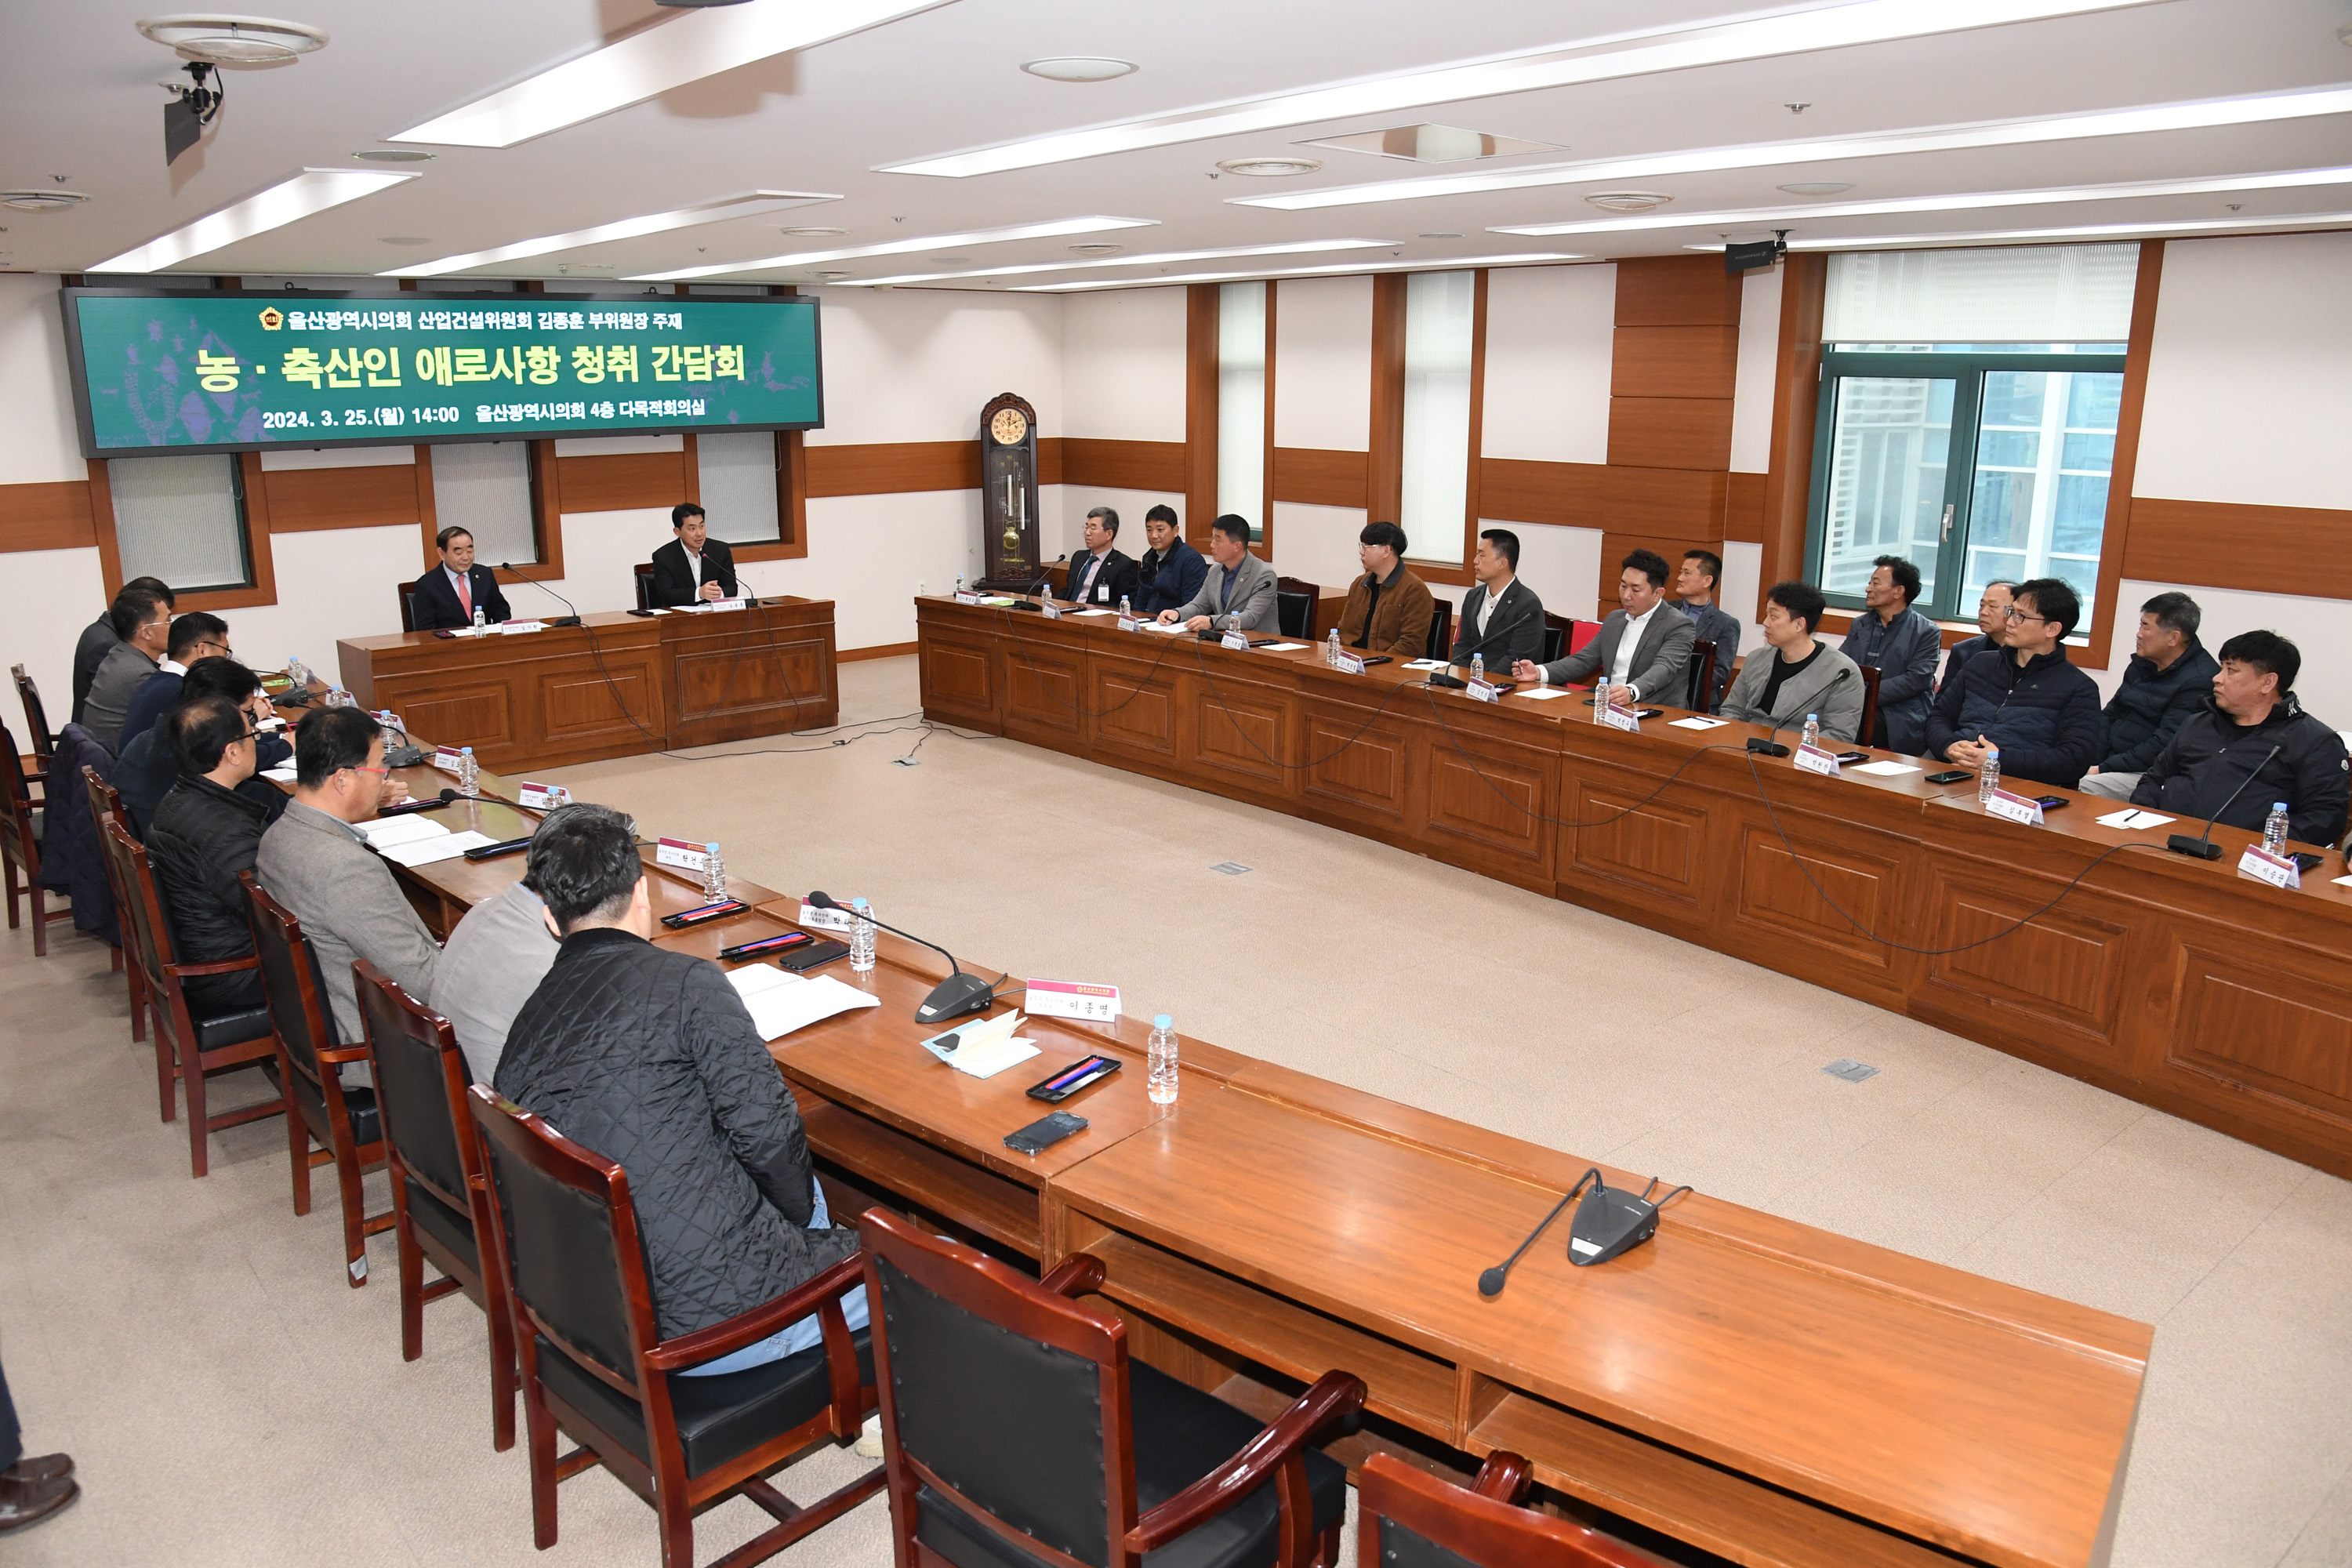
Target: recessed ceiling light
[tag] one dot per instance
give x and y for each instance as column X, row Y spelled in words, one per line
column 990, row 274
column 721, row 209
column 1080, row 67
column 2254, row 109
column 402, row 240
column 1816, row 187
column 1443, row 234
column 816, row 228
column 1603, row 58
column 396, row 156
column 1628, row 201
column 224, row 40
column 1053, row 229
column 1434, row 144
column 41, row 201
column 1097, row 248
column 1269, row 168
column 288, row 200
column 1350, row 267
column 648, row 63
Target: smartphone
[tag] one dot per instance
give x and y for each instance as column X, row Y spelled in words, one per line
column 1070, row 1079
column 1950, row 775
column 2308, row 862
column 766, row 947
column 647, row 614
column 1045, row 1132
column 2052, row 801
column 1852, row 757
column 824, row 950
column 492, row 851
column 717, row 912
column 1370, row 659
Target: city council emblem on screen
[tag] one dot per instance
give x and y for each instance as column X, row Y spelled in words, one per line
column 1008, row 427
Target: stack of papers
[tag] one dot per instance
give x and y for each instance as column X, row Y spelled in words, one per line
column 418, row 852
column 2133, row 818
column 387, row 831
column 982, row 1050
column 781, row 1001
column 1886, row 770
column 1699, row 721
column 1282, row 647
column 1540, row 693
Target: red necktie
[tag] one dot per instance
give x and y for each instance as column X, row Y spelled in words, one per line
column 466, row 595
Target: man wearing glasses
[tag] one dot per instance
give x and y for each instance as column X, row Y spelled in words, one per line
column 2023, row 696
column 143, row 621
column 194, row 635
column 313, row 862
column 206, row 830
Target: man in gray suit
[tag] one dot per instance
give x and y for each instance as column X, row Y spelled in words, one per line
column 314, row 863
column 1644, row 648
column 1238, row 590
column 142, row 620
column 1800, row 675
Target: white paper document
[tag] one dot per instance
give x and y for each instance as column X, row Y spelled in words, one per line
column 418, row 852
column 982, row 1050
column 280, row 775
column 781, row 1001
column 1080, row 615
column 1885, row 770
column 2133, row 818
column 1282, row 647
column 1695, row 722
column 1164, row 627
column 383, row 832
column 1426, row 664
column 1543, row 693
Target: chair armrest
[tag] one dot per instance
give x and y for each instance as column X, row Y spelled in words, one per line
column 339, row 1055
column 221, row 966
column 1079, row 1274
column 749, row 1327
column 1338, row 1396
column 1505, row 1476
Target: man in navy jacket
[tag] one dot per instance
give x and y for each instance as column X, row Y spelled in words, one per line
column 2024, row 697
column 2166, row 684
column 1171, row 571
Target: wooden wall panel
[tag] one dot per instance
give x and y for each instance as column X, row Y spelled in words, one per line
column 1125, row 465
column 2124, row 470
column 894, row 467
column 1674, row 362
column 1796, row 399
column 624, row 481
column 1743, row 508
column 55, row 516
column 1520, row 490
column 1676, row 292
column 1678, row 503
column 1053, row 459
column 304, row 501
column 1384, row 474
column 1670, row 432
column 2217, row 544
column 1316, row 476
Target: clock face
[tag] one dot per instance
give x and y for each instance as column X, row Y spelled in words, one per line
column 1008, row 427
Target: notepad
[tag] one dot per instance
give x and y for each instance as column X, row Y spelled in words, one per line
column 982, row 1050
column 1885, row 770
column 280, row 775
column 780, row 1002
column 387, row 831
column 1075, row 614
column 2134, row 819
column 1282, row 647
column 1164, row 625
column 418, row 852
column 1695, row 722
column 1543, row 693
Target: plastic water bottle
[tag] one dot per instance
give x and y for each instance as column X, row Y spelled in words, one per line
column 296, row 672
column 1600, row 701
column 481, row 621
column 714, row 873
column 1989, row 776
column 469, row 775
column 1812, row 736
column 861, row 936
column 959, row 588
column 1126, row 610
column 2275, row 830
column 1161, row 1084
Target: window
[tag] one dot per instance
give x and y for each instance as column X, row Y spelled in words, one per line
column 1947, row 437
column 1241, row 402
column 484, row 487
column 736, row 475
column 1440, row 315
column 182, row 520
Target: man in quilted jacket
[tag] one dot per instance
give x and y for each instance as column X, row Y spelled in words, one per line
column 649, row 1057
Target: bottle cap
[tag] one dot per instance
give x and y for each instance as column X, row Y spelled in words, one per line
column 1813, row 717
column 1162, row 1021
column 465, row 751
column 2279, row 806
column 858, row 904
column 712, row 848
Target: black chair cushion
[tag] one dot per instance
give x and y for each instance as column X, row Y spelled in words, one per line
column 719, row 1418
column 447, row 1226
column 232, row 1028
column 367, row 1127
column 1181, row 1434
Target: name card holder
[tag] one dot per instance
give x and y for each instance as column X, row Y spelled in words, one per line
column 680, row 855
column 1068, row 999
column 1813, row 760
column 1350, row 663
column 446, row 758
column 1129, row 623
column 967, row 597
column 1234, row 637
column 2014, row 808
column 2265, row 867
column 1618, row 718
column 1052, row 611
column 1482, row 691
column 839, row 920
column 543, row 797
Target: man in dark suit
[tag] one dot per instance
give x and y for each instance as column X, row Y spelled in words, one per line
column 450, row 593
column 1101, row 575
column 1171, row 571
column 1502, row 619
column 693, row 566
column 1641, row 652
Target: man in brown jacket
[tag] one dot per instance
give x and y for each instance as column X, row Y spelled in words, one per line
column 1389, row 609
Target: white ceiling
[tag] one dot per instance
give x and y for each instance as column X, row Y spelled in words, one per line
column 78, row 98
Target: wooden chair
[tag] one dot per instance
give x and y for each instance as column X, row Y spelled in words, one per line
column 20, row 847
column 439, row 1196
column 1868, row 734
column 105, row 801
column 1016, row 1429
column 407, row 592
column 343, row 1121
column 1441, row 630
column 567, row 1246
column 36, row 720
column 191, row 1044
column 1297, row 604
column 1698, row 692
column 1407, row 1518
column 643, row 579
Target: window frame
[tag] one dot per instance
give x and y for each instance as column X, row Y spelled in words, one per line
column 791, row 542
column 253, row 516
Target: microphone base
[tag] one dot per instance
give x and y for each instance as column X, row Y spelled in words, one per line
column 564, row 621
column 953, row 997
column 2196, row 848
column 1767, row 748
column 1450, row 682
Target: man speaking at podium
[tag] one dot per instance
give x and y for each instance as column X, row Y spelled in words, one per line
column 693, row 566
column 450, row 593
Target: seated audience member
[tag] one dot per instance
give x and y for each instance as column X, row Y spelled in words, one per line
column 1171, row 571
column 1696, row 581
column 1643, row 653
column 494, row 959
column 1238, row 590
column 2169, row 681
column 1992, row 624
column 322, row 871
column 1502, row 619
column 144, row 622
column 1389, row 609
column 2253, row 728
column 194, row 635
column 693, row 566
column 1803, row 675
column 2024, row 697
column 1101, row 574
column 450, row 593
column 648, row 1057
column 148, row 767
column 206, row 830
column 1901, row 643
column 100, row 639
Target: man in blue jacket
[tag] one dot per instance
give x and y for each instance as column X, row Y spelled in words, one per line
column 1901, row 643
column 2024, row 697
column 2165, row 686
column 1171, row 571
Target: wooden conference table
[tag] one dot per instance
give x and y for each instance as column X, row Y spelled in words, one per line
column 1769, row 1391
column 2173, row 981
column 614, row 686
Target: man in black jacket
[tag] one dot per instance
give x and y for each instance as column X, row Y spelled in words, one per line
column 1171, row 571
column 450, row 593
column 2168, row 682
column 649, row 1057
column 148, row 768
column 2024, row 697
column 2253, row 729
column 693, row 566
column 205, row 832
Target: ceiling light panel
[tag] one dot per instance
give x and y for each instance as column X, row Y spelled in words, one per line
column 1161, row 258
column 2079, row 231
column 1051, row 230
column 1594, row 59
column 720, row 210
column 1767, row 216
column 1345, row 269
column 644, row 65
column 289, row 201
column 2258, row 109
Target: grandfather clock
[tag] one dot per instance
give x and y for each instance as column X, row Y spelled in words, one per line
column 1008, row 494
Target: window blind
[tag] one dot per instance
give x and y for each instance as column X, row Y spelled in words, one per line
column 2013, row 294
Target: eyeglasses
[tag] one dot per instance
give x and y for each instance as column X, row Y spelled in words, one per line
column 2014, row 614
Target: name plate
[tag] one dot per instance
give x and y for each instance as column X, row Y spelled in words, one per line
column 445, row 759
column 1052, row 611
column 839, row 920
column 543, row 797
column 680, row 855
column 1129, row 623
column 1234, row 637
column 967, row 598
column 516, row 628
column 1618, row 718
column 1813, row 760
column 2265, row 867
column 1481, row 691
column 1068, row 999
column 1350, row 663
column 2014, row 808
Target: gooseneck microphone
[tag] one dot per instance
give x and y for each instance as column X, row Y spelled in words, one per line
column 2204, row 848
column 951, row 998
column 571, row 620
column 1490, row 1283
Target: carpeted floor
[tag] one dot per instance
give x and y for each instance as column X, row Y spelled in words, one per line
column 231, row 1401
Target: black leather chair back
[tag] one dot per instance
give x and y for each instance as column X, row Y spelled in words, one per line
column 150, row 933
column 411, row 1086
column 1407, row 1518
column 44, row 743
column 1293, row 612
column 18, row 839
column 1555, row 644
column 645, row 583
column 1698, row 691
column 292, row 982
column 1441, row 630
column 1868, row 734
column 408, row 607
